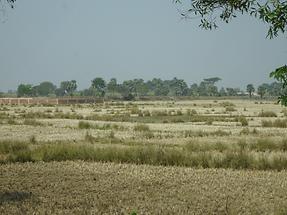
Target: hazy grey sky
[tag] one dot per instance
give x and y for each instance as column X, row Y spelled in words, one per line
column 60, row 40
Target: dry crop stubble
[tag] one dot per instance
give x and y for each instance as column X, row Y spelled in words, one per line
column 107, row 188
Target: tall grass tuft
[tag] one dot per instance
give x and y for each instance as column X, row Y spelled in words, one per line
column 267, row 114
column 278, row 123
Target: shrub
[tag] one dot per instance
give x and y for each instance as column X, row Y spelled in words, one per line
column 230, row 109
column 284, row 111
column 112, row 135
column 237, row 160
column 141, row 128
column 12, row 146
column 159, row 113
column 220, row 133
column 32, row 122
column 267, row 123
column 264, row 145
column 146, row 113
column 12, row 122
column 177, row 119
column 242, row 120
column 191, row 112
column 209, row 122
column 32, row 139
column 135, row 110
column 227, row 104
column 90, row 138
column 267, row 114
column 148, row 134
column 283, row 145
column 245, row 131
column 278, row 123
column 84, row 125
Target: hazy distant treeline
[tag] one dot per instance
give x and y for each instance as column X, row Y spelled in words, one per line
column 130, row 89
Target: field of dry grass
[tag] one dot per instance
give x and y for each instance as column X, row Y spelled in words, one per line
column 107, row 188
column 200, row 156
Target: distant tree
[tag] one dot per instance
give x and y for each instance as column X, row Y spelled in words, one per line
column 67, row 87
column 60, row 92
column 222, row 92
column 161, row 90
column 87, row 92
column 250, row 89
column 263, row 89
column 207, row 87
column 178, row 87
column 128, row 90
column 158, row 87
column 112, row 86
column 212, row 81
column 141, row 89
column 231, row 91
column 45, row 88
column 275, row 89
column 194, row 91
column 212, row 90
column 99, row 85
column 24, row 90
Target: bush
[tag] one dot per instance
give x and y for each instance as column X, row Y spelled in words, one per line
column 245, row 131
column 220, row 133
column 209, row 122
column 12, row 122
column 227, row 104
column 230, row 109
column 84, row 125
column 32, row 122
column 191, row 112
column 278, row 123
column 242, row 120
column 159, row 113
column 264, row 145
column 141, row 128
column 284, row 111
column 11, row 147
column 267, row 114
column 148, row 134
column 267, row 123
column 90, row 138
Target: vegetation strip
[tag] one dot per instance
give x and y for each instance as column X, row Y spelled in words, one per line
column 218, row 155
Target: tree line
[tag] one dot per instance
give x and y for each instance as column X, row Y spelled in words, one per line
column 130, row 89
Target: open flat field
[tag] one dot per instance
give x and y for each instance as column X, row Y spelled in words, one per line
column 148, row 157
column 97, row 188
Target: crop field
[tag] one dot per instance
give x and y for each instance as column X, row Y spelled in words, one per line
column 144, row 157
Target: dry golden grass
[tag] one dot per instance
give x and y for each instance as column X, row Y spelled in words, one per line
column 107, row 188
